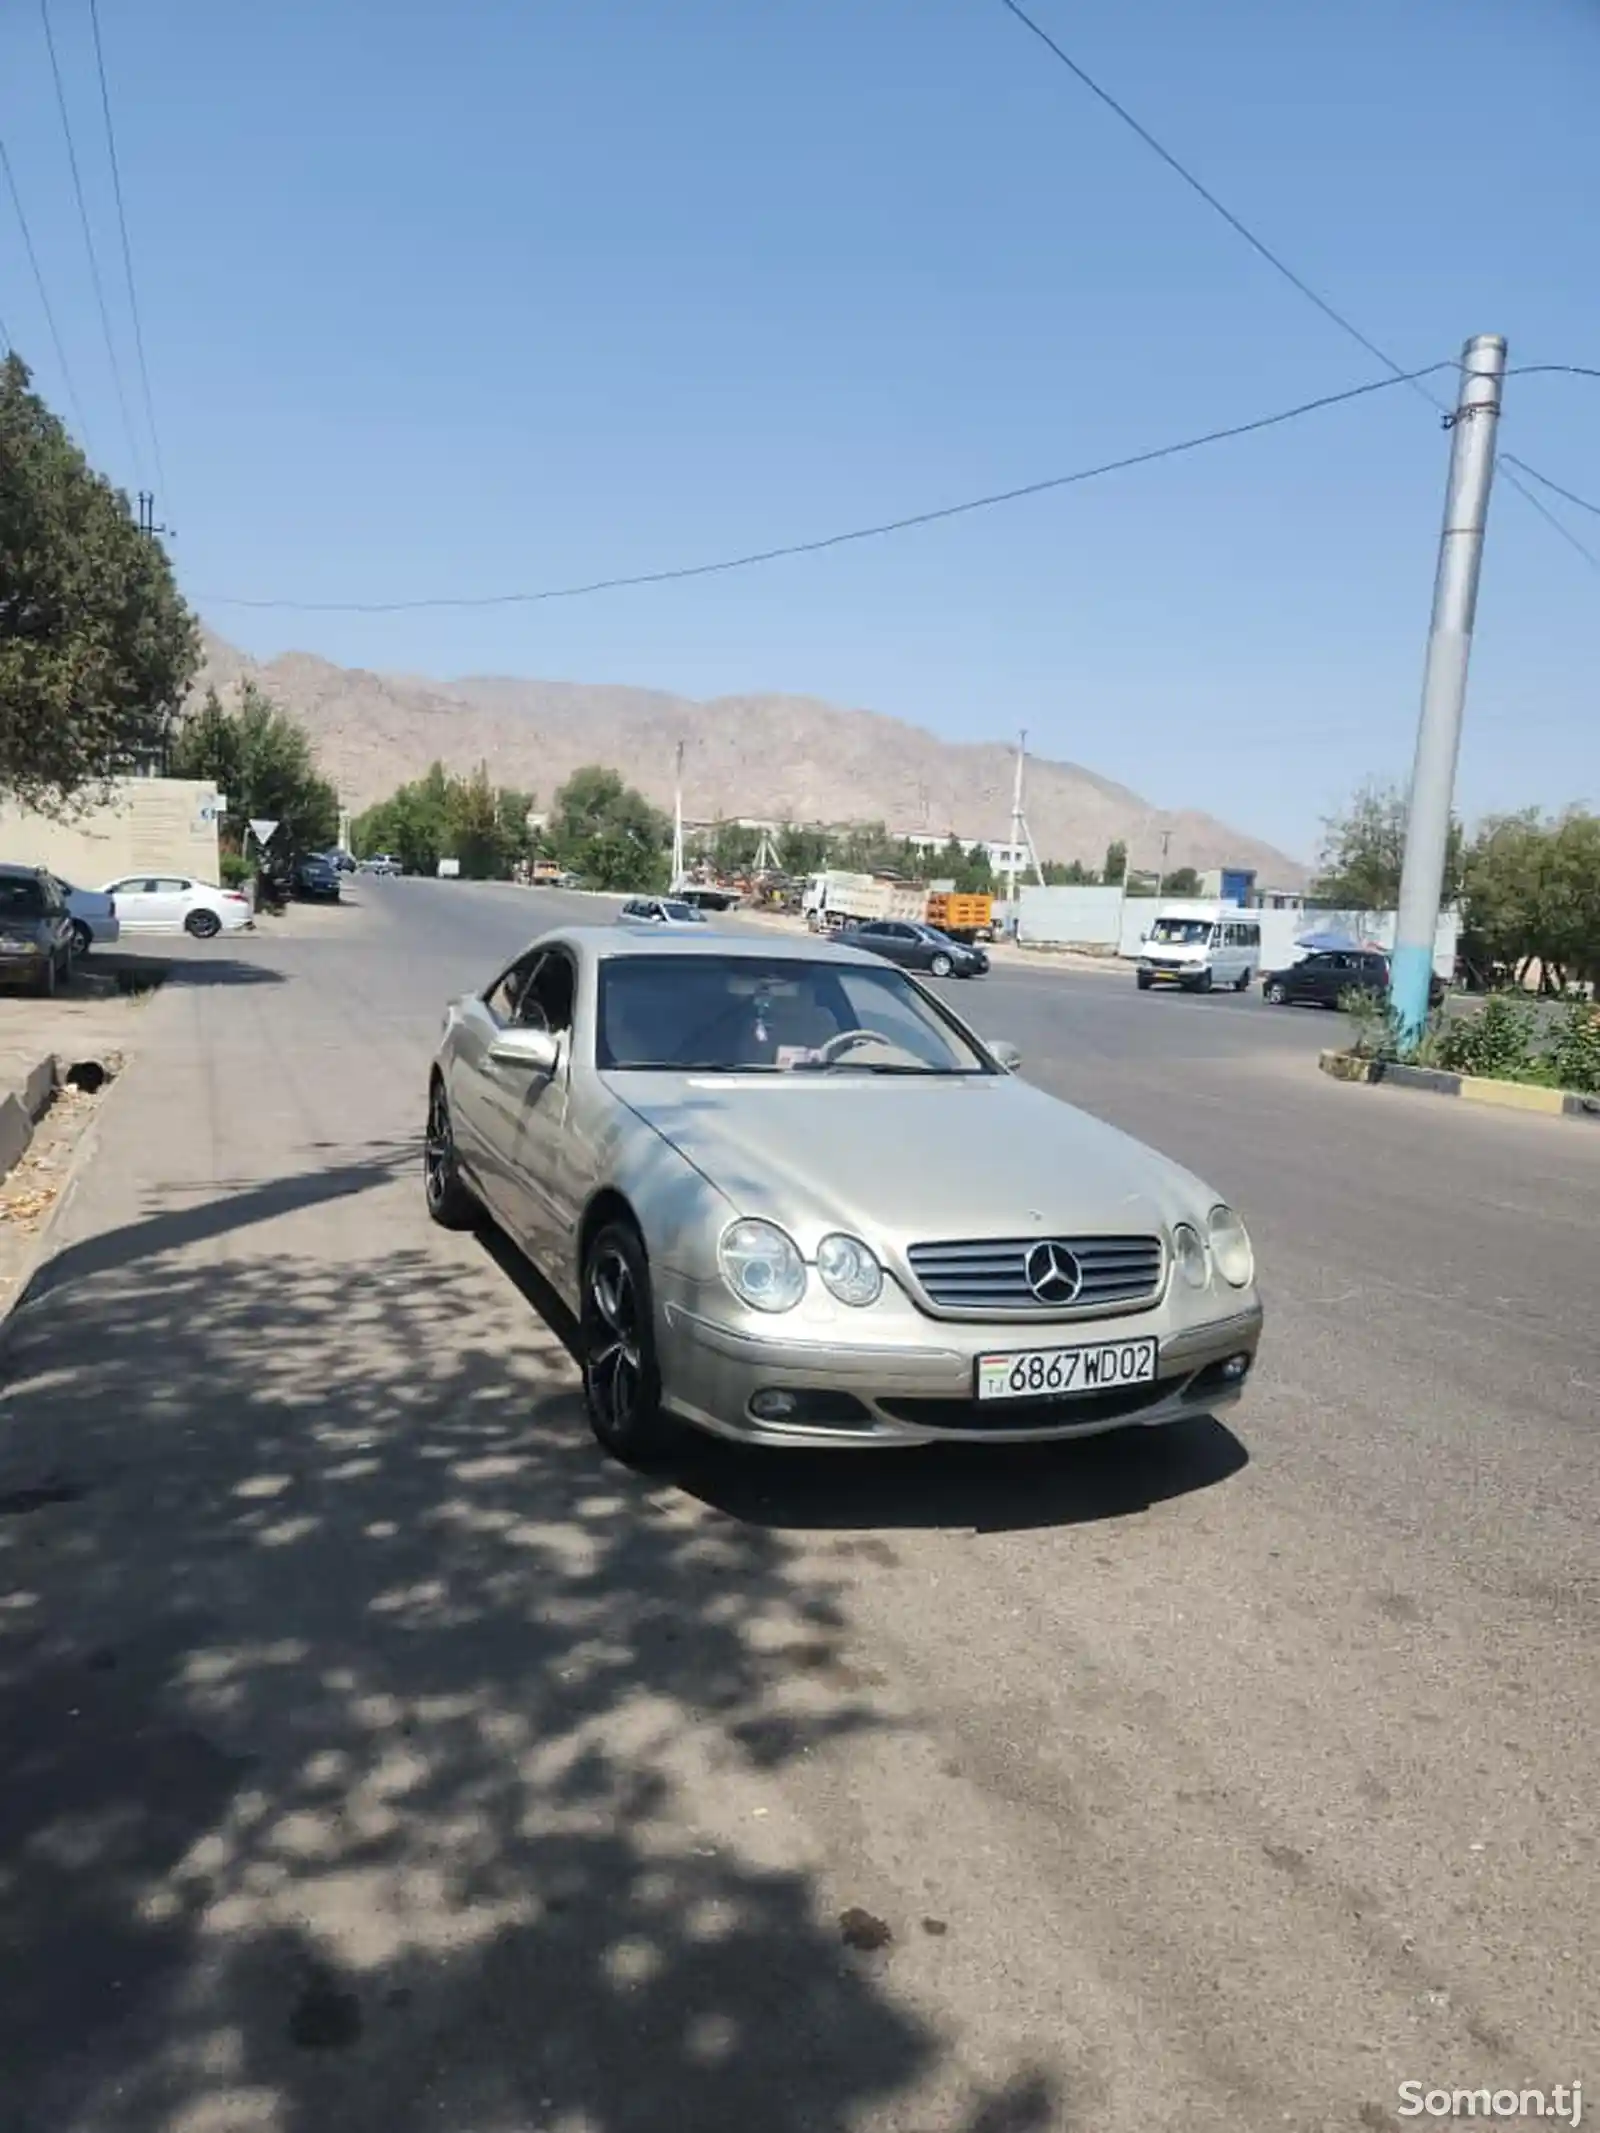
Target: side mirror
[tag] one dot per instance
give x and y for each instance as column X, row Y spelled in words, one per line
column 534, row 1050
column 1003, row 1054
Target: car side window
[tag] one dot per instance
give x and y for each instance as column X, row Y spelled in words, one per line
column 550, row 994
column 504, row 997
column 169, row 885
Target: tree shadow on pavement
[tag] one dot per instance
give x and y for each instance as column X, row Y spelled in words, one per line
column 373, row 1756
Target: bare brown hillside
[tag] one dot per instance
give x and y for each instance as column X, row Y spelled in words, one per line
column 784, row 758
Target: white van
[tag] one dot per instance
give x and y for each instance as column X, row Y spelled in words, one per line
column 1200, row 945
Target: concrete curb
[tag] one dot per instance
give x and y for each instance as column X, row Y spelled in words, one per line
column 27, row 1093
column 1472, row 1088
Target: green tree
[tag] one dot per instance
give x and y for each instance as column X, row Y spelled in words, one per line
column 1182, row 881
column 1069, row 874
column 608, row 833
column 1116, row 862
column 803, row 851
column 96, row 646
column 734, row 848
column 264, row 763
column 1532, row 894
column 1363, row 853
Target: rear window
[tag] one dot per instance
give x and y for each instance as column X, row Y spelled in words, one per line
column 20, row 899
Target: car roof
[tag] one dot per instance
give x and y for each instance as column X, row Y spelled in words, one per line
column 598, row 943
column 13, row 870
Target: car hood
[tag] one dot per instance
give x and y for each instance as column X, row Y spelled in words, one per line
column 899, row 1160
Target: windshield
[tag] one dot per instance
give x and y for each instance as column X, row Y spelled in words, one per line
column 740, row 1014
column 1187, row 931
column 681, row 911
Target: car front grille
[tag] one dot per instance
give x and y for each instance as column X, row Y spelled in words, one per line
column 979, row 1276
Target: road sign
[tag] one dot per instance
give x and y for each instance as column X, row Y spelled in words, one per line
column 263, row 832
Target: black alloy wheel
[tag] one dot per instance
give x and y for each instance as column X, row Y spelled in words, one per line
column 449, row 1202
column 621, row 1377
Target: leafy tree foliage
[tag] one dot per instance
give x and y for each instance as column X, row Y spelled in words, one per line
column 1364, row 849
column 1532, row 894
column 482, row 825
column 1116, row 862
column 264, row 764
column 96, row 646
column 608, row 833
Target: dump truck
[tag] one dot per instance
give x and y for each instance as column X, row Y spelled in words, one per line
column 964, row 916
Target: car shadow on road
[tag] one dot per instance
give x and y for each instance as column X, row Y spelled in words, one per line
column 978, row 1487
column 985, row 1488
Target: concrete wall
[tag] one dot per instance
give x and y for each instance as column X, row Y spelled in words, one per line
column 1103, row 919
column 164, row 825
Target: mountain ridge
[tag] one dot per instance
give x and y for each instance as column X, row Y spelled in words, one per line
column 771, row 756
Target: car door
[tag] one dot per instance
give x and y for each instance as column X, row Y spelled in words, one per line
column 1304, row 981
column 544, row 1185
column 476, row 1088
column 136, row 901
column 901, row 945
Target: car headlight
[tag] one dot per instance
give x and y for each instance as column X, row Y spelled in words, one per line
column 849, row 1270
column 1189, row 1255
column 1230, row 1245
column 762, row 1265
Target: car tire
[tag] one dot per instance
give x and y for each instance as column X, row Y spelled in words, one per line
column 82, row 937
column 448, row 1200
column 940, row 967
column 202, row 925
column 1274, row 995
column 621, row 1375
column 1141, row 978
column 1203, row 982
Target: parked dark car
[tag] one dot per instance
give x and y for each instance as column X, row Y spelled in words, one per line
column 316, row 879
column 1323, row 979
column 36, row 933
column 915, row 946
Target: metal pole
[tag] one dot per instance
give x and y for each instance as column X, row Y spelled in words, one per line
column 1016, row 836
column 677, row 822
column 1161, row 878
column 1444, row 686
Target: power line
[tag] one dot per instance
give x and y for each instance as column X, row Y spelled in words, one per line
column 1258, row 245
column 127, row 250
column 88, row 238
column 1582, row 502
column 44, row 296
column 856, row 533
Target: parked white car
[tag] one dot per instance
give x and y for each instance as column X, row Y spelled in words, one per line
column 662, row 911
column 176, row 903
column 94, row 917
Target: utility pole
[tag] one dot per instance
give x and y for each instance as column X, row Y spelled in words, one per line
column 147, row 518
column 1444, row 688
column 677, row 821
column 1015, row 846
column 1161, row 878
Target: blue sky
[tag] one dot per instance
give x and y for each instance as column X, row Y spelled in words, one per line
column 501, row 296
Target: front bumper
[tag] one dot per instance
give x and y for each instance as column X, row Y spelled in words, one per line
column 858, row 1393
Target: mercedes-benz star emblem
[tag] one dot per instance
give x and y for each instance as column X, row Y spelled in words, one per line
column 1053, row 1272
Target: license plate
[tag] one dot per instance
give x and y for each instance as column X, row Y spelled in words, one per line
column 1057, row 1373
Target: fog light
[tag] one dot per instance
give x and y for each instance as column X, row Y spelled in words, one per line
column 772, row 1405
column 1235, row 1367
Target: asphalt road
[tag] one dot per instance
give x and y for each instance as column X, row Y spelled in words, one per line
column 376, row 1756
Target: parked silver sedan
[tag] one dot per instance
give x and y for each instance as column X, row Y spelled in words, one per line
column 790, row 1198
